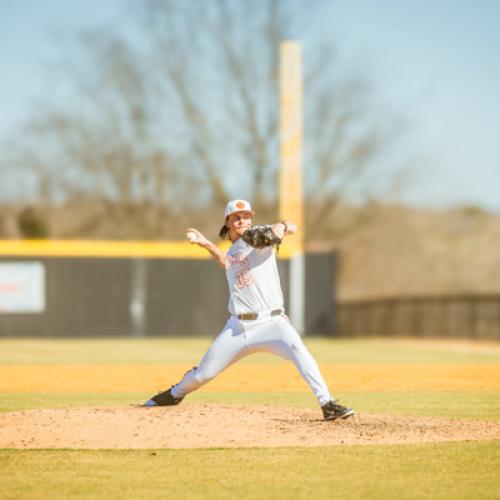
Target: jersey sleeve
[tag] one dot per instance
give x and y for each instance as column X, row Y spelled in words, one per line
column 261, row 237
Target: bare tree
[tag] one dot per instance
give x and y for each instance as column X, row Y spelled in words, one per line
column 185, row 114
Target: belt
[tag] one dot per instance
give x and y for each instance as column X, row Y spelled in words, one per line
column 253, row 316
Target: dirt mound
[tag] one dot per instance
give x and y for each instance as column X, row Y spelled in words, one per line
column 228, row 426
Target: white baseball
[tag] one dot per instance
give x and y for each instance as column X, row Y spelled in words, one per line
column 191, row 236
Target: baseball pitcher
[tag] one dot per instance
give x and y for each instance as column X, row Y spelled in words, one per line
column 258, row 321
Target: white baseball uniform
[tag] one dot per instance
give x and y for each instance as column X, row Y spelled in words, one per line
column 254, row 287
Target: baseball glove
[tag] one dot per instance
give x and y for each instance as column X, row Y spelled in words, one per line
column 261, row 237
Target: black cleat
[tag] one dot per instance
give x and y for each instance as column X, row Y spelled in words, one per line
column 164, row 398
column 332, row 411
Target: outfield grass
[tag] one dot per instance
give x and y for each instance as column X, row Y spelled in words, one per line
column 446, row 470
column 450, row 470
column 191, row 349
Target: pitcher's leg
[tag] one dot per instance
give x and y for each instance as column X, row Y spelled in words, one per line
column 286, row 342
column 311, row 373
column 279, row 337
column 308, row 368
column 228, row 347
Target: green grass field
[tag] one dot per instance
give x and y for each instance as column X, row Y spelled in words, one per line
column 445, row 470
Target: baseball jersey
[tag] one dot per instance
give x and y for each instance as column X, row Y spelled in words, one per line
column 253, row 279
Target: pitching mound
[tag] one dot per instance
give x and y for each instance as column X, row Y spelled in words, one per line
column 228, row 426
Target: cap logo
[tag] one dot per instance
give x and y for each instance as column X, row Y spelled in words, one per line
column 240, row 204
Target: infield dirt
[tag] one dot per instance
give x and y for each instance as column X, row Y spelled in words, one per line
column 225, row 426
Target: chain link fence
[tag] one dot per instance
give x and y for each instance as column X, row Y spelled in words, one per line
column 454, row 316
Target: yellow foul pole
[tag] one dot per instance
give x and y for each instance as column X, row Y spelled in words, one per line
column 291, row 191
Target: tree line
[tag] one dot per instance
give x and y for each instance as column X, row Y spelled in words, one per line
column 168, row 119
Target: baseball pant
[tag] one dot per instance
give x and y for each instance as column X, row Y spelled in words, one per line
column 240, row 338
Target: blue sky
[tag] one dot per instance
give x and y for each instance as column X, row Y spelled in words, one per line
column 437, row 64
column 434, row 65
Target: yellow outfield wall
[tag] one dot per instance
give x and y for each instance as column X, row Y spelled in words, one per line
column 266, row 378
column 101, row 248
column 112, row 249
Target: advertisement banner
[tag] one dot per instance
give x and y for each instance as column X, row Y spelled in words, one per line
column 22, row 287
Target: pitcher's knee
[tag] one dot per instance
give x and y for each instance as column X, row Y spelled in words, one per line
column 205, row 374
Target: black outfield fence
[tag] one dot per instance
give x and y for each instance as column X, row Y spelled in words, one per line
column 458, row 316
column 136, row 296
